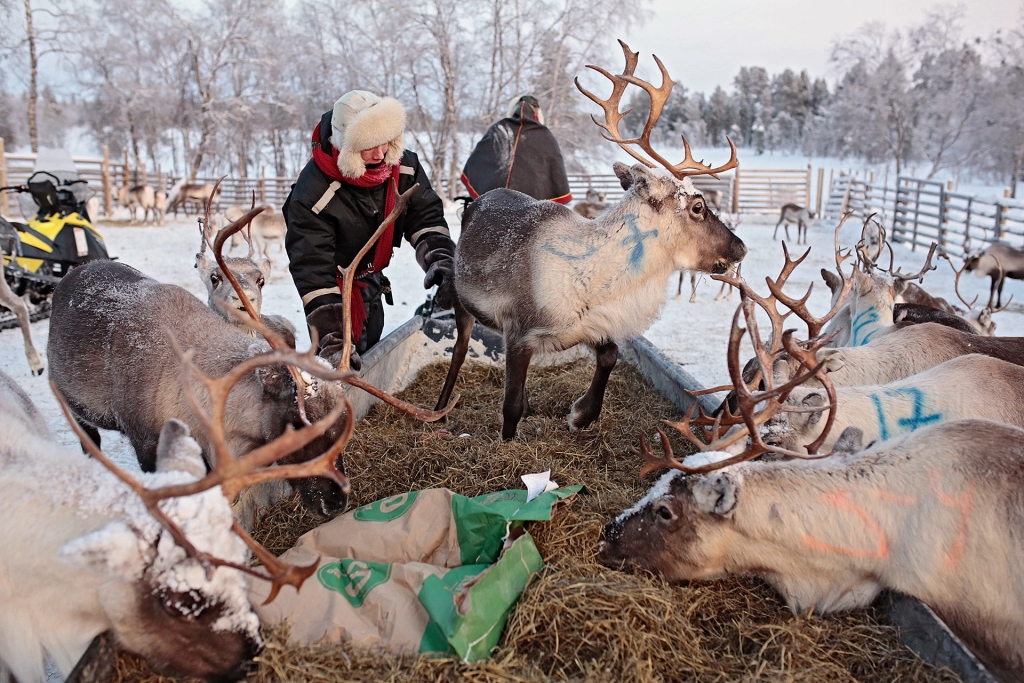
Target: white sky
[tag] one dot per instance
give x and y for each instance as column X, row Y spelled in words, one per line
column 704, row 43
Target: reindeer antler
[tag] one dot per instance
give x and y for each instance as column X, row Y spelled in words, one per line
column 898, row 274
column 659, row 96
column 956, row 282
column 232, row 473
column 771, row 402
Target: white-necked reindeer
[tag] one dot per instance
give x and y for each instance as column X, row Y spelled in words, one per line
column 549, row 279
column 934, row 514
column 134, row 197
column 82, row 556
column 593, row 205
column 726, row 290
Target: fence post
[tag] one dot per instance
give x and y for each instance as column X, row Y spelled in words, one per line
column 159, row 179
column 821, row 187
column 736, row 192
column 3, row 178
column 807, row 190
column 106, row 181
column 846, row 197
column 999, row 221
column 967, row 228
column 917, row 215
column 941, row 222
column 263, row 184
column 126, row 182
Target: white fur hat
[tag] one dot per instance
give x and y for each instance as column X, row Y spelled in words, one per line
column 362, row 120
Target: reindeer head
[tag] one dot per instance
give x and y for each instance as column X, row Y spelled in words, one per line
column 250, row 272
column 679, row 530
column 163, row 603
column 668, row 203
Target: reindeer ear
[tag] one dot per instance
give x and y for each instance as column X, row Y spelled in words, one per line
column 115, row 550
column 832, row 361
column 815, row 399
column 899, row 287
column 716, row 494
column 622, row 173
column 205, row 265
column 831, row 279
column 648, row 186
column 177, row 451
column 264, row 266
column 850, row 441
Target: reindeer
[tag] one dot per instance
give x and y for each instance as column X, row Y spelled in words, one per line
column 250, row 273
column 268, row 228
column 18, row 306
column 593, row 205
column 115, row 336
column 158, row 558
column 980, row 320
column 999, row 261
column 183, row 192
column 548, row 279
column 933, row 514
column 134, row 197
column 794, row 213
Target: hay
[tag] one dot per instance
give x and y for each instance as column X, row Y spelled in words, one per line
column 579, row 621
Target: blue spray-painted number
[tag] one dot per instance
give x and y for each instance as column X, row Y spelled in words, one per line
column 636, row 239
column 916, row 420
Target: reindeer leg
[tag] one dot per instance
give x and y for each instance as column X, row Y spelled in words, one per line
column 587, row 408
column 17, row 305
column 775, row 235
column 464, row 328
column 679, row 289
column 517, row 363
column 693, row 288
column 999, row 295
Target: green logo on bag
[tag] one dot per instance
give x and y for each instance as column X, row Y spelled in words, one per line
column 387, row 509
column 354, row 579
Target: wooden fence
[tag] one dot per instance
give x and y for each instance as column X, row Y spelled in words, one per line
column 919, row 212
column 749, row 191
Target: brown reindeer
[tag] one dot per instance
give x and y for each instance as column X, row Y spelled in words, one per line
column 134, row 197
column 548, row 279
column 110, row 353
column 183, row 192
column 999, row 261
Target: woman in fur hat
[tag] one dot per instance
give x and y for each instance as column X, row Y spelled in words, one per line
column 359, row 167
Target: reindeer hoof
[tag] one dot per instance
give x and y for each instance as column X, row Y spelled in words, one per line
column 580, row 418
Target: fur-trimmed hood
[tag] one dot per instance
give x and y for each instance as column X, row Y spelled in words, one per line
column 361, row 120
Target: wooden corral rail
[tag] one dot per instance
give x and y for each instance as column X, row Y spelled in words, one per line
column 918, row 212
column 765, row 190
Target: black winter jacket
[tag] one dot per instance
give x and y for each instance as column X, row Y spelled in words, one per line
column 537, row 166
column 320, row 240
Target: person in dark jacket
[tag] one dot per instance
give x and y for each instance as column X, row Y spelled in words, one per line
column 520, row 153
column 351, row 184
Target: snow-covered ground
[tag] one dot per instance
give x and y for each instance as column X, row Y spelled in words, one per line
column 692, row 334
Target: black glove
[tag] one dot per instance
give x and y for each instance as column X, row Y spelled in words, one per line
column 327, row 320
column 436, row 255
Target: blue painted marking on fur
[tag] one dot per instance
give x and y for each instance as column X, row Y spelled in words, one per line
column 882, row 427
column 916, row 420
column 588, row 249
column 864, row 318
column 636, row 238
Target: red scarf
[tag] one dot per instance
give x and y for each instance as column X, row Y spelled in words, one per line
column 328, row 163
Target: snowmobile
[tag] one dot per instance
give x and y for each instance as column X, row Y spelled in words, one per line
column 39, row 253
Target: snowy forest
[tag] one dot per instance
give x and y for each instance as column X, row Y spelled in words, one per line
column 235, row 86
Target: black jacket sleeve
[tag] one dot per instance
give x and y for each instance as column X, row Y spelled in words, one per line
column 424, row 214
column 310, row 244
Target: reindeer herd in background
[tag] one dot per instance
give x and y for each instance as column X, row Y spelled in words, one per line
column 885, row 450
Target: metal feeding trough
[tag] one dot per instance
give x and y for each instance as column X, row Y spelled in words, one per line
column 394, row 363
